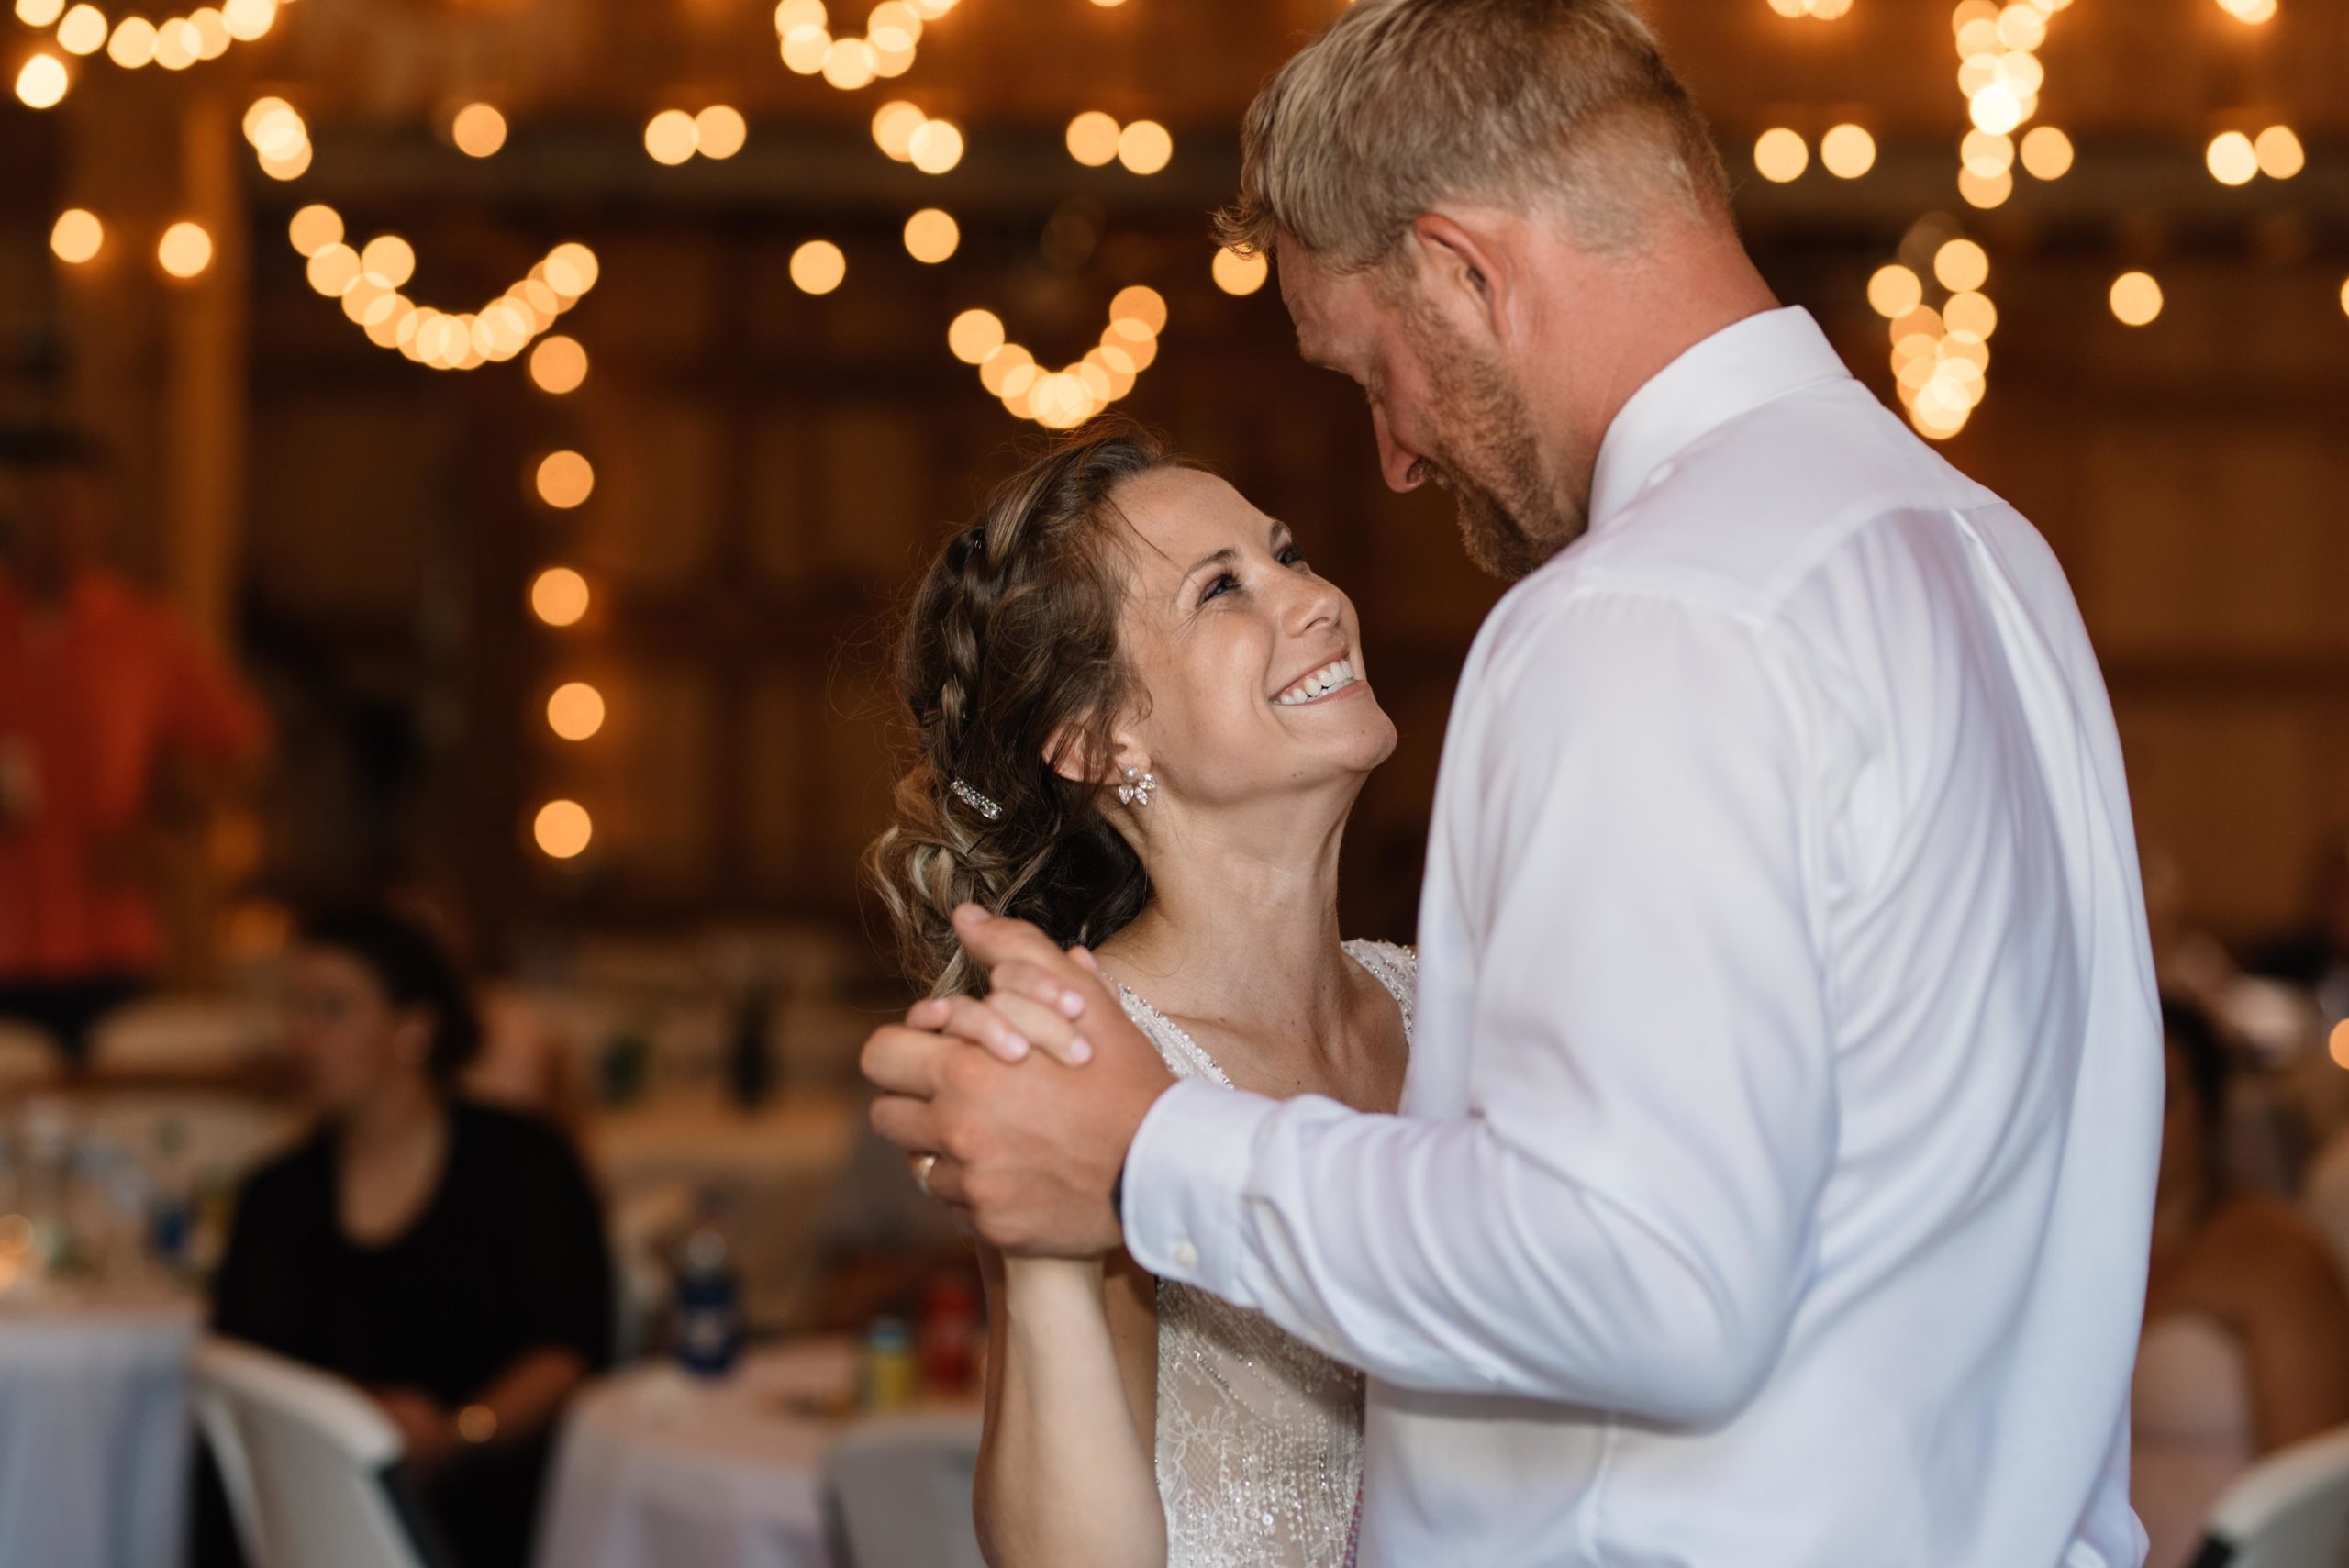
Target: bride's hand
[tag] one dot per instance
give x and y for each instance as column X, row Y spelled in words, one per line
column 1007, row 1024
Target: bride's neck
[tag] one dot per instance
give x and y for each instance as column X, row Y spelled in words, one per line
column 1242, row 925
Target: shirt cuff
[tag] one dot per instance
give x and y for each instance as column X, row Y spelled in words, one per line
column 1186, row 1174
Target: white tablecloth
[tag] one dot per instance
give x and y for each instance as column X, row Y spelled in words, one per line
column 94, row 1433
column 658, row 1470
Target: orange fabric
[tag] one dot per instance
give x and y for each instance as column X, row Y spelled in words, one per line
column 93, row 695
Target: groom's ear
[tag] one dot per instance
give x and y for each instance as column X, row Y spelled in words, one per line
column 1468, row 266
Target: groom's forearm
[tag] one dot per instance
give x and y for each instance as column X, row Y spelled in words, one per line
column 1436, row 1257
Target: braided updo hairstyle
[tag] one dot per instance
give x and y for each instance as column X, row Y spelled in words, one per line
column 1011, row 642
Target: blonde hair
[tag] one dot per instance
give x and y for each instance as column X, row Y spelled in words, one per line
column 1402, row 104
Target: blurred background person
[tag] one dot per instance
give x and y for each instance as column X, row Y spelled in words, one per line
column 2315, row 954
column 446, row 1256
column 2246, row 1339
column 120, row 730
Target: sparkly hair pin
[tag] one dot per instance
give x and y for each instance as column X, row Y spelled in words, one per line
column 975, row 800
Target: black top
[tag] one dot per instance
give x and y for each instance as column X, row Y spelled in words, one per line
column 508, row 1256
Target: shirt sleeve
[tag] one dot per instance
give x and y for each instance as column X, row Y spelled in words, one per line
column 1623, row 1218
column 564, row 1263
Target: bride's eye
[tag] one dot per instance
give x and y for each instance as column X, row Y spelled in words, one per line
column 1293, row 555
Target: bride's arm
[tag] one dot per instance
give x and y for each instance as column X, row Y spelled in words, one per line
column 1066, row 1477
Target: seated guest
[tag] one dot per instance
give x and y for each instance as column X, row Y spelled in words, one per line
column 446, row 1257
column 2246, row 1339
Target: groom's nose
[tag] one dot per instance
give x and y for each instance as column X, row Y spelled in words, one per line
column 1397, row 462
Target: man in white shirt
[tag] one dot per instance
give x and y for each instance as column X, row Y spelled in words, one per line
column 1773, row 1179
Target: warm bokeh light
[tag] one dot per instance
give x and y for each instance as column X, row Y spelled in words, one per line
column 2136, row 298
column 1146, row 147
column 1996, row 108
column 387, row 261
column 314, row 228
column 2046, row 152
column 932, row 234
column 559, row 596
column 1961, row 265
column 2339, row 1044
column 1092, row 139
column 1972, row 314
column 1894, row 290
column 1235, row 274
column 1984, row 190
column 76, row 236
column 2279, row 152
column 720, row 131
column 42, row 81
column 849, row 64
column 2344, row 296
column 565, row 480
column 974, row 334
column 1986, row 155
column 572, row 269
column 2252, row 11
column 563, row 829
column 1780, row 155
column 2231, row 158
column 83, row 31
column 819, row 266
column 39, row 13
column 894, row 124
column 935, row 147
column 479, row 130
column 185, row 249
column 576, row 710
column 1847, row 152
column 559, row 364
column 670, row 137
column 1140, row 303
column 133, row 43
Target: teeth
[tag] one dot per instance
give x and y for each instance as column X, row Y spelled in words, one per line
column 1319, row 683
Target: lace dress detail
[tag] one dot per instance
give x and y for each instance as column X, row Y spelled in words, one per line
column 1259, row 1435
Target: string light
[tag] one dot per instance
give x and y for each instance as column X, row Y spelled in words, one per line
column 1146, row 147
column 185, row 249
column 1092, row 139
column 1817, row 10
column 2136, row 298
column 818, row 267
column 2001, row 75
column 894, row 124
column 932, row 236
column 368, row 282
column 42, row 83
column 720, row 131
column 1064, row 398
column 2046, row 152
column 559, row 364
column 1780, row 154
column 886, row 50
column 2231, row 158
column 280, row 137
column 1847, row 152
column 1894, row 290
column 564, row 480
column 2254, row 12
column 174, row 43
column 479, row 130
column 77, row 236
column 576, row 710
column 1238, row 275
column 559, row 596
column 563, row 829
column 935, row 147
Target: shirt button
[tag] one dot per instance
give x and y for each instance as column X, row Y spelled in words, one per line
column 1185, row 1255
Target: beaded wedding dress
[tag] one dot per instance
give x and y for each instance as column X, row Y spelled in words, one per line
column 1259, row 1435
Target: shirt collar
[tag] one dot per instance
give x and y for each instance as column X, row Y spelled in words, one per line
column 1739, row 368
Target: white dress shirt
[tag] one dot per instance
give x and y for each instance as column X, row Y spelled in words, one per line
column 1774, row 1170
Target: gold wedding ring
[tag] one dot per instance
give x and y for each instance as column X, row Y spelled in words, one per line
column 923, row 1165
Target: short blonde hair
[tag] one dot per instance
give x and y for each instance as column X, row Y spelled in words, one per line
column 1402, row 104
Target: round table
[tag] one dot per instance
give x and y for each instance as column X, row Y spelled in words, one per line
column 656, row 1469
column 95, row 1431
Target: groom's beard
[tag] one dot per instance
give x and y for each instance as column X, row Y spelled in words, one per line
column 1512, row 518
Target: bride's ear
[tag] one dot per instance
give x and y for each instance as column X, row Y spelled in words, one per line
column 1081, row 758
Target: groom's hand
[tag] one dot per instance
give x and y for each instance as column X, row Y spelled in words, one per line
column 1028, row 1152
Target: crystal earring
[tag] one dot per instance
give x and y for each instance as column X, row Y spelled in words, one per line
column 1136, row 790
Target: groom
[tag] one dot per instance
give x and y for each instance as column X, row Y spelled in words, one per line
column 1772, row 1184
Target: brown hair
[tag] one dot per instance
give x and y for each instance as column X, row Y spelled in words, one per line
column 1402, row 104
column 1010, row 647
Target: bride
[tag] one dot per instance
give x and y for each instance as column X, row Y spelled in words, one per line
column 1142, row 720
